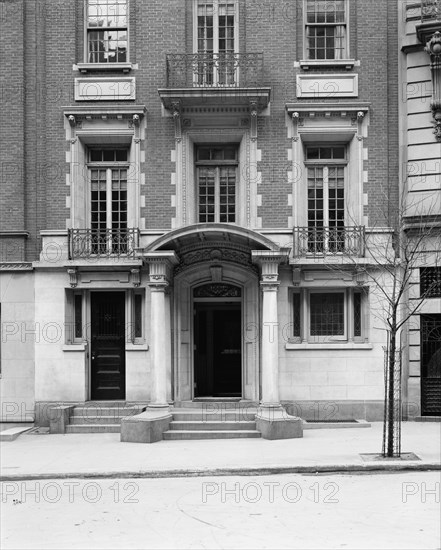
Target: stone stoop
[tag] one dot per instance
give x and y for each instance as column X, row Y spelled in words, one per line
column 192, row 423
column 100, row 419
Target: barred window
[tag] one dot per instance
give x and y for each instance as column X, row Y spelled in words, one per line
column 430, row 282
column 107, row 31
column 326, row 29
column 337, row 315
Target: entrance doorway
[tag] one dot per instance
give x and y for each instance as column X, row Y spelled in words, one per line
column 108, row 346
column 218, row 350
column 431, row 365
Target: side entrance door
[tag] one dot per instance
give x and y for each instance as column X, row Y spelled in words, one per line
column 218, row 350
column 431, row 365
column 108, row 346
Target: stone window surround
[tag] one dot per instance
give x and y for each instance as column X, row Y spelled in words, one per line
column 103, row 126
column 348, row 341
column 320, row 125
column 185, row 174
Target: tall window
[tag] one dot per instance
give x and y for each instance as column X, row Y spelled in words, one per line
column 326, row 198
column 107, row 31
column 108, row 170
column 216, row 43
column 216, row 169
column 326, row 29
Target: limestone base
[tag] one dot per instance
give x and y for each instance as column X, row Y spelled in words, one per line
column 146, row 427
column 275, row 423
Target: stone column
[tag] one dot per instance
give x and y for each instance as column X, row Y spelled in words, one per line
column 148, row 427
column 272, row 420
column 160, row 265
column 270, row 337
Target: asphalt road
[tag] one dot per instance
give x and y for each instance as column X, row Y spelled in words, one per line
column 382, row 511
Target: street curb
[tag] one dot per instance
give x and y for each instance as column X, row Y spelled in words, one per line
column 223, row 472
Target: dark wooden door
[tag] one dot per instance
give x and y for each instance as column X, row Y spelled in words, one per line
column 218, row 350
column 431, row 365
column 108, row 346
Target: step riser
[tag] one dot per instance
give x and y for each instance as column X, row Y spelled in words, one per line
column 216, row 407
column 212, row 426
column 241, row 416
column 110, row 429
column 104, row 411
column 80, row 421
column 209, row 435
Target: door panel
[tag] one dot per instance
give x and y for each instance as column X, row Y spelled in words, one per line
column 218, row 350
column 431, row 365
column 107, row 345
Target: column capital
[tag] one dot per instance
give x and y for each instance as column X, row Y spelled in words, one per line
column 269, row 261
column 160, row 264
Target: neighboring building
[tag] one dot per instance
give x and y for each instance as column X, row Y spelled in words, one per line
column 420, row 151
column 189, row 190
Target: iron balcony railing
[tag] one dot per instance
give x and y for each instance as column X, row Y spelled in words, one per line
column 430, row 10
column 90, row 243
column 209, row 70
column 332, row 241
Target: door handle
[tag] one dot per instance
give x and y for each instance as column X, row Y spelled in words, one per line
column 93, row 357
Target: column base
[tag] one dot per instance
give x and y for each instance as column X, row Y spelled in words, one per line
column 273, row 422
column 146, row 427
column 158, row 406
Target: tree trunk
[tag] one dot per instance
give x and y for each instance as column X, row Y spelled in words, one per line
column 391, row 392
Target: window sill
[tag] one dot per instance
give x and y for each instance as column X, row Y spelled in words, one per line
column 143, row 346
column 307, row 64
column 75, row 347
column 91, row 67
column 327, row 346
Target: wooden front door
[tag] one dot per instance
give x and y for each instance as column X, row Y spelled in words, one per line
column 218, row 350
column 108, row 346
column 431, row 365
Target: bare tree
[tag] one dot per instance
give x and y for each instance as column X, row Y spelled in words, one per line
column 410, row 239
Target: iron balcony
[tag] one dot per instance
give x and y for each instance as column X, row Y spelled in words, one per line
column 329, row 241
column 88, row 243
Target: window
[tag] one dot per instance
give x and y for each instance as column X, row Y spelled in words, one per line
column 216, row 172
column 137, row 305
column 430, row 282
column 326, row 29
column 75, row 324
column 216, row 43
column 108, row 170
column 107, row 31
column 329, row 316
column 326, row 198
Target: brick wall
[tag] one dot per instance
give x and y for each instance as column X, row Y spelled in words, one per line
column 33, row 124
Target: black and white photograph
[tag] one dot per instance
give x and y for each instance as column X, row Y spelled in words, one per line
column 220, row 274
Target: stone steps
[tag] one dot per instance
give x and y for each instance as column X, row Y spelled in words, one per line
column 95, row 418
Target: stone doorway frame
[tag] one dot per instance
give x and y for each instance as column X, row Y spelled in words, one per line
column 183, row 364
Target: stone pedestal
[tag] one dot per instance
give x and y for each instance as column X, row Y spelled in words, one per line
column 146, row 427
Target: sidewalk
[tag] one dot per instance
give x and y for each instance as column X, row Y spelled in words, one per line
column 325, row 450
